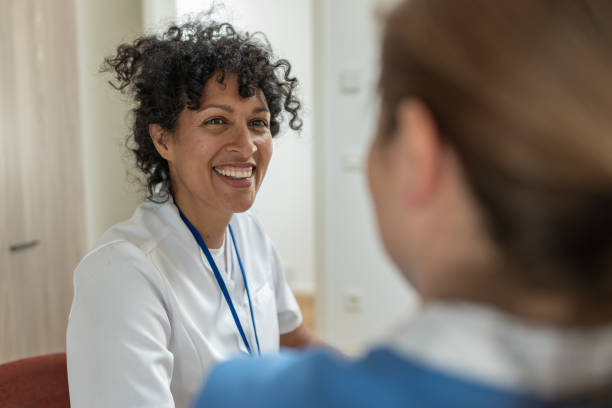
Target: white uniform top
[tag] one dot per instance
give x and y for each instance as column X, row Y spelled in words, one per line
column 148, row 319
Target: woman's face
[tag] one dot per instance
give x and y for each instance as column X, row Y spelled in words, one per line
column 218, row 155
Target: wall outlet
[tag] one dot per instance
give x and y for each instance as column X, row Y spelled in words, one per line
column 352, row 301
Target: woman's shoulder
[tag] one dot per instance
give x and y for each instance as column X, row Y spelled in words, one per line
column 150, row 223
column 120, row 271
column 124, row 248
column 312, row 378
column 111, row 258
column 320, row 378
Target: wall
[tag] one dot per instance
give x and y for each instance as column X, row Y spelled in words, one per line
column 285, row 202
column 156, row 14
column 359, row 294
column 109, row 196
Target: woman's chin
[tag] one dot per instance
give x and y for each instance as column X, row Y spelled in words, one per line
column 239, row 206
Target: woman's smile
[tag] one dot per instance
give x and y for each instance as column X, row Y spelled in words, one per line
column 238, row 175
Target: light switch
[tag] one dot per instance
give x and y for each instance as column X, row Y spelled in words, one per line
column 353, row 161
column 350, row 81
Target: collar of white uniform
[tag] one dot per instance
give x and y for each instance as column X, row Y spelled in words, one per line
column 488, row 346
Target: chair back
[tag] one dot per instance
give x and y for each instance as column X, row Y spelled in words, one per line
column 35, row 382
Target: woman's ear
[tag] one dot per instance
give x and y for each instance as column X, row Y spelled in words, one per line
column 420, row 149
column 160, row 138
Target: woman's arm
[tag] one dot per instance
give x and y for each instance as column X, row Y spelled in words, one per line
column 300, row 337
column 118, row 333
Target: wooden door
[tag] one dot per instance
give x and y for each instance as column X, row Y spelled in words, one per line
column 42, row 211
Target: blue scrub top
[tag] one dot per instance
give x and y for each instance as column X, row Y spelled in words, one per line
column 381, row 379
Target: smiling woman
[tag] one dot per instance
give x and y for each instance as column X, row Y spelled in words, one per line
column 217, row 155
column 191, row 278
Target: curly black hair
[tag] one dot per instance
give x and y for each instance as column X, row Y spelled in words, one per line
column 164, row 74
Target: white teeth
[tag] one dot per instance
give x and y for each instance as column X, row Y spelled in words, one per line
column 235, row 173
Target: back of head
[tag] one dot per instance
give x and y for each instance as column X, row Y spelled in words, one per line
column 522, row 90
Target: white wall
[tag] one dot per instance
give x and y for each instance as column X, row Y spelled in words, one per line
column 109, row 196
column 157, row 14
column 360, row 295
column 285, row 202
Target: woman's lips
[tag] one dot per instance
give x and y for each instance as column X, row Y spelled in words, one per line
column 236, row 175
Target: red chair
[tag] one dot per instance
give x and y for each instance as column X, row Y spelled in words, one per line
column 35, row 382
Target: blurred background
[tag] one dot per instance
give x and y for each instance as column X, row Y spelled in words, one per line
column 67, row 175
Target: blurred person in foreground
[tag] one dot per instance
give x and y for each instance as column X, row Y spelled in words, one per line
column 491, row 175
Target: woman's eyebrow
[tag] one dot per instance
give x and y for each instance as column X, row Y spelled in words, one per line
column 214, row 105
column 260, row 109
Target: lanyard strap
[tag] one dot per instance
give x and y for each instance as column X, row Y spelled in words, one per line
column 246, row 287
column 221, row 283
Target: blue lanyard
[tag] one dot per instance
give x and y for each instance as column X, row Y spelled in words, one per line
column 221, row 283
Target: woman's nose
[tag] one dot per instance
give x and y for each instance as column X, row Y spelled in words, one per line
column 243, row 142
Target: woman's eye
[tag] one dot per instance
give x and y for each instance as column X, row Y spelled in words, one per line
column 215, row 121
column 259, row 123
